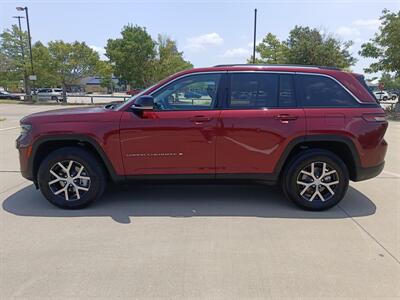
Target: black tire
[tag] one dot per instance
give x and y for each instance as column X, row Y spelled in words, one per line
column 300, row 162
column 385, row 98
column 93, row 168
column 54, row 98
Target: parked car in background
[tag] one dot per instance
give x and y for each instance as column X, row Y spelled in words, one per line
column 309, row 129
column 7, row 95
column 190, row 94
column 50, row 94
column 133, row 92
column 393, row 95
column 381, row 95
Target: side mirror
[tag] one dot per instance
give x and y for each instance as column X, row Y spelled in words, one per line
column 143, row 103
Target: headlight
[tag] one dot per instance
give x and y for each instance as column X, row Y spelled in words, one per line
column 25, row 128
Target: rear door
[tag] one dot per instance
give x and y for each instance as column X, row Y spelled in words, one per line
column 259, row 119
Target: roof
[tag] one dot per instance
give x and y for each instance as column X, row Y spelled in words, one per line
column 279, row 65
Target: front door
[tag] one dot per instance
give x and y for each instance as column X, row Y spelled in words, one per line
column 179, row 136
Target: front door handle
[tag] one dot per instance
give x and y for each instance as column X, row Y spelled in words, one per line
column 286, row 117
column 200, row 119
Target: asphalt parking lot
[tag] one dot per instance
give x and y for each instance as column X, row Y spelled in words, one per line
column 197, row 241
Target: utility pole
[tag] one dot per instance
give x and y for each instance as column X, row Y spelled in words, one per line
column 30, row 44
column 26, row 82
column 255, row 33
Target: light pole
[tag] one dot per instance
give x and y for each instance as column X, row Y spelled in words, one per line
column 22, row 51
column 255, row 33
column 19, row 8
column 29, row 34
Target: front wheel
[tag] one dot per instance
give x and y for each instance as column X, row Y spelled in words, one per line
column 315, row 179
column 71, row 178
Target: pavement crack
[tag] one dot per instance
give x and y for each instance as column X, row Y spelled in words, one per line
column 369, row 234
column 13, row 187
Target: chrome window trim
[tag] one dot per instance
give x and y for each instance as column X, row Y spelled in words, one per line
column 251, row 71
column 304, row 73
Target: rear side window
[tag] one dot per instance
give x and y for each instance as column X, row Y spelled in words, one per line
column 320, row 91
column 252, row 90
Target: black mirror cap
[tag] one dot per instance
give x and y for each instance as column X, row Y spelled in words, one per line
column 144, row 101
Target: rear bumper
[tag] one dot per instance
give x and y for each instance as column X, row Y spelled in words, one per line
column 368, row 173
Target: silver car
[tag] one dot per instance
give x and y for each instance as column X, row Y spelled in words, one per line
column 50, row 94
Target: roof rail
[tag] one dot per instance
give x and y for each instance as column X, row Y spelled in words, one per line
column 278, row 65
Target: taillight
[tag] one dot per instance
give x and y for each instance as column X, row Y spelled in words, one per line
column 380, row 117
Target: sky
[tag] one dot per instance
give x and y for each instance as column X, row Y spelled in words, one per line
column 208, row 32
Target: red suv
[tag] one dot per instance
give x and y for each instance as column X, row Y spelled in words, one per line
column 311, row 129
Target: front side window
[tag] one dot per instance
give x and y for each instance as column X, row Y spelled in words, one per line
column 252, row 90
column 195, row 92
column 320, row 91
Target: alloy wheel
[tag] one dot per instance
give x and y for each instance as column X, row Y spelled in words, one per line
column 317, row 180
column 69, row 179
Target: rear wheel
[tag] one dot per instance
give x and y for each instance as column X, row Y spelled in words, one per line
column 54, row 98
column 315, row 179
column 71, row 178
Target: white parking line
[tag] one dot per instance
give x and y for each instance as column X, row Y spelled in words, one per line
column 392, row 174
column 8, row 128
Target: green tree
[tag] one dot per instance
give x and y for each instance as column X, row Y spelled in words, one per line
column 46, row 76
column 385, row 46
column 390, row 82
column 105, row 70
column 271, row 51
column 70, row 62
column 169, row 60
column 133, row 55
column 14, row 55
column 309, row 47
column 306, row 46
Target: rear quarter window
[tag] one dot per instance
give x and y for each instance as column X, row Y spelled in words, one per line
column 321, row 91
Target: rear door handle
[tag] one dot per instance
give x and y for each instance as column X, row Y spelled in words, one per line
column 200, row 119
column 286, row 117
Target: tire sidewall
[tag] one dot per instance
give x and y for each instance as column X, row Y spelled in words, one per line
column 91, row 165
column 290, row 180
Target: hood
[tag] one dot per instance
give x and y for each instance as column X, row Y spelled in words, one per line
column 78, row 114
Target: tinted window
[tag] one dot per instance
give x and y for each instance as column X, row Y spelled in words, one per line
column 322, row 91
column 196, row 92
column 286, row 91
column 252, row 90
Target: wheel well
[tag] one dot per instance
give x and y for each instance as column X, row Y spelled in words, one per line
column 47, row 147
column 341, row 149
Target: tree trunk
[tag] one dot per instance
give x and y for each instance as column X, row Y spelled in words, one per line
column 64, row 93
column 27, row 87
